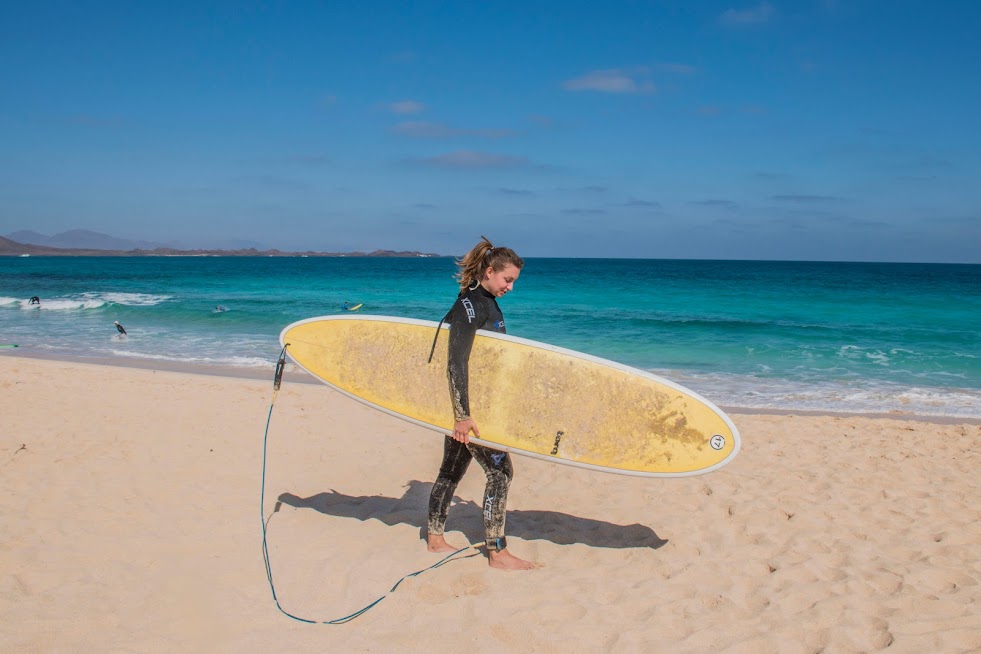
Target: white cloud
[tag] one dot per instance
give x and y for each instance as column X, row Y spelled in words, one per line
column 425, row 129
column 761, row 13
column 472, row 160
column 403, row 57
column 644, row 204
column 407, row 107
column 612, row 80
column 678, row 69
column 583, row 212
column 723, row 204
column 806, row 198
column 307, row 159
column 513, row 191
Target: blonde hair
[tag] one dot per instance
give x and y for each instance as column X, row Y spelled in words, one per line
column 482, row 256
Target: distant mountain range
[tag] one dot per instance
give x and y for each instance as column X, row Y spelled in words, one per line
column 82, row 239
column 81, row 242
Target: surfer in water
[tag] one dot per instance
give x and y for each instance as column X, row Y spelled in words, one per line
column 119, row 327
column 485, row 274
column 35, row 300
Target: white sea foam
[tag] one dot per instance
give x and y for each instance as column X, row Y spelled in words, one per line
column 854, row 395
column 88, row 300
column 66, row 304
column 134, row 299
column 230, row 361
column 878, row 357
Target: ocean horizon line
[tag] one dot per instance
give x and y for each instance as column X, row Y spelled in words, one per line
column 283, row 254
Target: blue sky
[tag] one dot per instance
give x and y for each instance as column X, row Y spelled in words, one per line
column 739, row 130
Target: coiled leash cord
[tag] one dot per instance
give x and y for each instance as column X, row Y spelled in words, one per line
column 277, row 382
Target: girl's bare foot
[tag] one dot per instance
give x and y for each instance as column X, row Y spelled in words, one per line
column 504, row 560
column 436, row 543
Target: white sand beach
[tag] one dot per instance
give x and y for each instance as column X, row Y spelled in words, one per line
column 130, row 519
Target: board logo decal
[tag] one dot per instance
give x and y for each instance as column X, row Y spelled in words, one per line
column 558, row 438
column 717, row 442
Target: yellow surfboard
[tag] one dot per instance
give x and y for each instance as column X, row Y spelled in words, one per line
column 529, row 398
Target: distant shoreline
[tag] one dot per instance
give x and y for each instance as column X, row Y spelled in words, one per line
column 9, row 248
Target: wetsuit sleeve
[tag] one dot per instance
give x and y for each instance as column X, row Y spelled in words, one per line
column 465, row 322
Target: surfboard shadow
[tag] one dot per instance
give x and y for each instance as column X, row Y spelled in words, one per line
column 465, row 516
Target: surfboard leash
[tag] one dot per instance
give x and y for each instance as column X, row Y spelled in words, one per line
column 277, row 383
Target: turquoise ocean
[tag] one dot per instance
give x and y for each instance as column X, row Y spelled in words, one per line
column 841, row 337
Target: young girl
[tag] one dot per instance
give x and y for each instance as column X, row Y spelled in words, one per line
column 486, row 273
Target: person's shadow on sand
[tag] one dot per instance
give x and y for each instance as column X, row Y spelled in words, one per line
column 411, row 509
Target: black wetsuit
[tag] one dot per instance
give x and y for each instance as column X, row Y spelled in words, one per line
column 474, row 309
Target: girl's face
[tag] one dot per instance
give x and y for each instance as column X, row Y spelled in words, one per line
column 499, row 282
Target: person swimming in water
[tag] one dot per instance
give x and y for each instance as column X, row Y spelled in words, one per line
column 485, row 274
column 119, row 327
column 35, row 300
